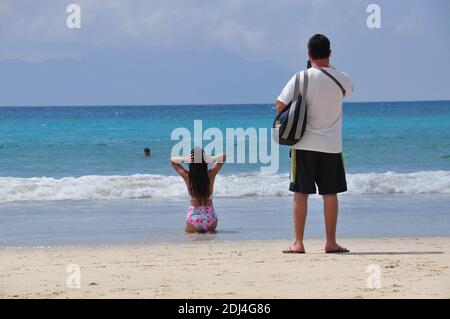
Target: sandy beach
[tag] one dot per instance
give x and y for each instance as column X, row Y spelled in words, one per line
column 409, row 268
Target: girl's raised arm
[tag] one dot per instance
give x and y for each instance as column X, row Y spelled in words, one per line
column 176, row 163
column 219, row 161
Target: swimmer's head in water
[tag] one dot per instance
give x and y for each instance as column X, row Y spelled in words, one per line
column 146, row 151
column 199, row 182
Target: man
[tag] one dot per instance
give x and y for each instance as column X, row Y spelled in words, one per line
column 317, row 157
column 146, row 152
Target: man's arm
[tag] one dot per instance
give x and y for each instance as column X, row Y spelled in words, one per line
column 348, row 86
column 280, row 106
column 349, row 89
column 286, row 95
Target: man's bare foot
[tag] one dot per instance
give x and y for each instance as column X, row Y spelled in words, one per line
column 295, row 248
column 335, row 248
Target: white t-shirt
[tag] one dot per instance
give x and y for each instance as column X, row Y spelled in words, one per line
column 323, row 132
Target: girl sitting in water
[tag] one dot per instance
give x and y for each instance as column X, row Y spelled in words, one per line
column 201, row 216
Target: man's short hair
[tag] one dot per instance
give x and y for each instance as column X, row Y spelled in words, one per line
column 319, row 47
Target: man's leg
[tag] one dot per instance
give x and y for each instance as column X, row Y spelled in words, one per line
column 302, row 184
column 300, row 210
column 330, row 209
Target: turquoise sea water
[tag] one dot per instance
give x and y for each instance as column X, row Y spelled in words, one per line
column 61, row 163
column 76, row 141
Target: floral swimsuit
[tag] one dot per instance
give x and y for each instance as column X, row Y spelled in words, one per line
column 201, row 217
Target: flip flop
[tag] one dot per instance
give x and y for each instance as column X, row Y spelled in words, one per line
column 339, row 250
column 290, row 251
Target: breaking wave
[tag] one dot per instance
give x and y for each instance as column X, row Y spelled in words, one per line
column 94, row 187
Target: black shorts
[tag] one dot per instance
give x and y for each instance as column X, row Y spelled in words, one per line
column 309, row 168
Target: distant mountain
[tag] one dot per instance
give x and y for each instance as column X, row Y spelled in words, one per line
column 132, row 78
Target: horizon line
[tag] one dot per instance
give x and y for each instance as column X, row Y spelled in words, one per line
column 205, row 104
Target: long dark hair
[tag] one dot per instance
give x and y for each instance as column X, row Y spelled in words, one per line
column 198, row 175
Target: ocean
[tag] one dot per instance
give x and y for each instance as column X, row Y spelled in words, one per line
column 61, row 165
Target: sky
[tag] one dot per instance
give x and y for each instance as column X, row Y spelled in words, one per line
column 144, row 52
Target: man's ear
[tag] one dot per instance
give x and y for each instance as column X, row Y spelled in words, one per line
column 329, row 53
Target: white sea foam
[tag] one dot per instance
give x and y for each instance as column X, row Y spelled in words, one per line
column 159, row 186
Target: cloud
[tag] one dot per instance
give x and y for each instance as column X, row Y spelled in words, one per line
column 411, row 23
column 5, row 5
column 234, row 35
column 242, row 26
column 256, row 30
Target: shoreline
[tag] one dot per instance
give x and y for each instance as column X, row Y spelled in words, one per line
column 206, row 240
column 414, row 267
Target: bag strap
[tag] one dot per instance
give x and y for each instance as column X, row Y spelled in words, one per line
column 296, row 85
column 334, row 79
column 291, row 113
column 301, row 117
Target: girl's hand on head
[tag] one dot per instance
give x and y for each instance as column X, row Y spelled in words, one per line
column 207, row 159
column 180, row 159
column 187, row 159
column 220, row 158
